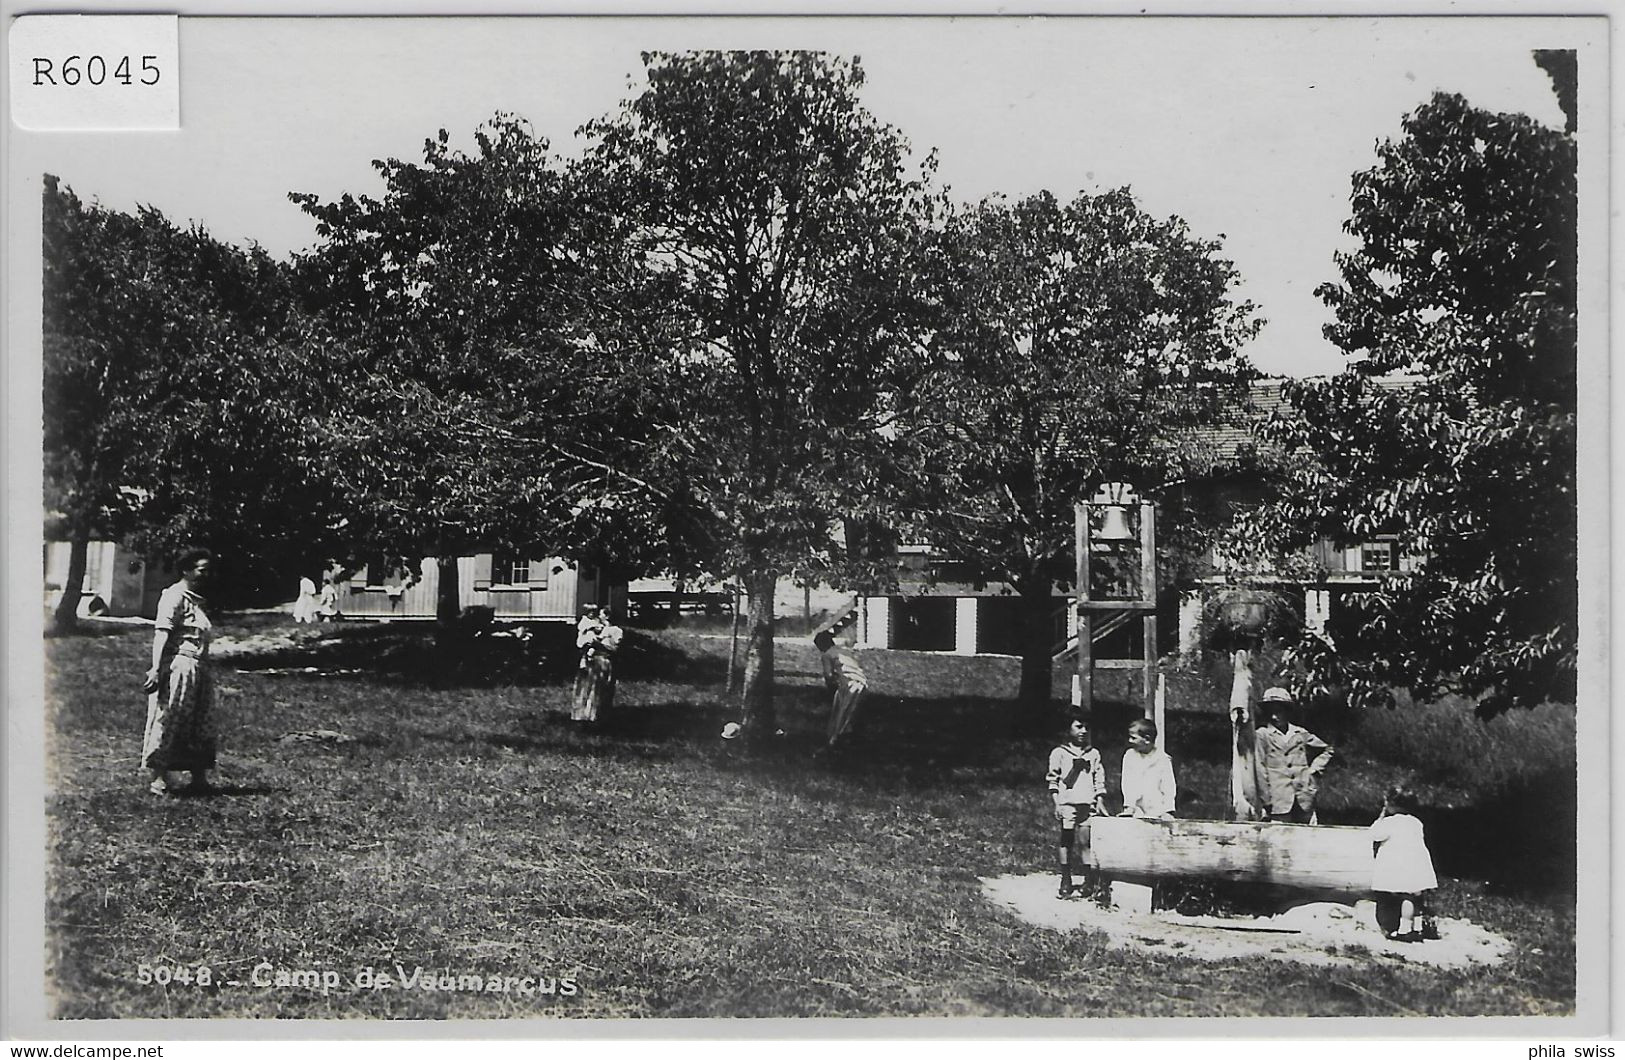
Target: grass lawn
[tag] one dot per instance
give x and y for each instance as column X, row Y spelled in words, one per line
column 649, row 869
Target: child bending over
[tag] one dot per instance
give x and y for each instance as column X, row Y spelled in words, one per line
column 1403, row 870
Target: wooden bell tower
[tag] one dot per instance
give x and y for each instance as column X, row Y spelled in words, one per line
column 1115, row 533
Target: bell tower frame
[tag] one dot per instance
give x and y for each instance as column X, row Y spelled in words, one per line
column 1101, row 528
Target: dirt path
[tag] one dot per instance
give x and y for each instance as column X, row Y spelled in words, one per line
column 1322, row 933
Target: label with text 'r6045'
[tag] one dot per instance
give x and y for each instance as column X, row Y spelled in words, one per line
column 95, row 72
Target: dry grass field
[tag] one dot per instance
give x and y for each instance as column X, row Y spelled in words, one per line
column 455, row 827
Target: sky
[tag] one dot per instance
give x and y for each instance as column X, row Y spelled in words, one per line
column 1247, row 128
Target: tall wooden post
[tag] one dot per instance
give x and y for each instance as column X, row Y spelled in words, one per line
column 1159, row 712
column 1148, row 593
column 1086, row 664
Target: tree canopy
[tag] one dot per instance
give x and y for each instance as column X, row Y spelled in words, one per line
column 173, row 377
column 1453, row 425
column 773, row 213
column 485, row 396
column 1076, row 343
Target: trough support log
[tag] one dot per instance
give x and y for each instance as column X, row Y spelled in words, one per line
column 1321, row 859
column 1131, row 897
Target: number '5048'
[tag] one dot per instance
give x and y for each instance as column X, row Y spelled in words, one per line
column 96, row 70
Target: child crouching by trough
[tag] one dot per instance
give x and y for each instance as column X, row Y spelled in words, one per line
column 1077, row 786
column 1402, row 873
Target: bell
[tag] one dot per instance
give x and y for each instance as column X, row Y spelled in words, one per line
column 1114, row 523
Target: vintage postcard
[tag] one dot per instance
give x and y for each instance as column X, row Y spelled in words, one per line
column 905, row 523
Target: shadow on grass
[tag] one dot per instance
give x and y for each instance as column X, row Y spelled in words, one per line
column 90, row 628
column 969, row 732
column 227, row 791
column 658, row 732
column 415, row 656
column 584, row 741
column 653, row 658
column 666, row 722
column 896, row 742
column 420, row 655
column 1517, row 840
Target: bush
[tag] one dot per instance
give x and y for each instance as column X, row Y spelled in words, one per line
column 1248, row 618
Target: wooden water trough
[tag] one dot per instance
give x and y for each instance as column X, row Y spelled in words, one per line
column 1134, row 853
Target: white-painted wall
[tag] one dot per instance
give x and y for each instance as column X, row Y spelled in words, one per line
column 1317, row 610
column 965, row 625
column 874, row 623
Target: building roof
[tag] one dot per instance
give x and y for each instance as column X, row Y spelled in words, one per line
column 1230, row 440
column 1266, row 398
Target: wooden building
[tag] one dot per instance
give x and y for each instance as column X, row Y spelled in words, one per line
column 118, row 580
column 515, row 588
column 121, row 582
column 1320, row 576
column 939, row 608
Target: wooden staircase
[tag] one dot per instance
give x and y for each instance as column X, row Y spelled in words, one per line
column 1111, row 625
column 842, row 621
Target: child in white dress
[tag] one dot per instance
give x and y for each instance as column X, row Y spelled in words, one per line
column 1402, row 872
column 1148, row 774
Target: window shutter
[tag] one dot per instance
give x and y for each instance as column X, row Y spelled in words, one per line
column 538, row 573
column 482, row 572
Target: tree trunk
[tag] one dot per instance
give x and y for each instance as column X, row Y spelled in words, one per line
column 756, row 702
column 450, row 638
column 1037, row 653
column 66, row 619
column 733, row 638
column 446, row 608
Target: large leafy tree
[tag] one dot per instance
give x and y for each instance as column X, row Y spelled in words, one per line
column 775, row 216
column 93, row 413
column 485, row 394
column 172, row 369
column 1077, row 343
column 1463, row 284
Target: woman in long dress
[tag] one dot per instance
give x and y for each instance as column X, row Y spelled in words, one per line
column 304, row 608
column 180, row 731
column 594, row 690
